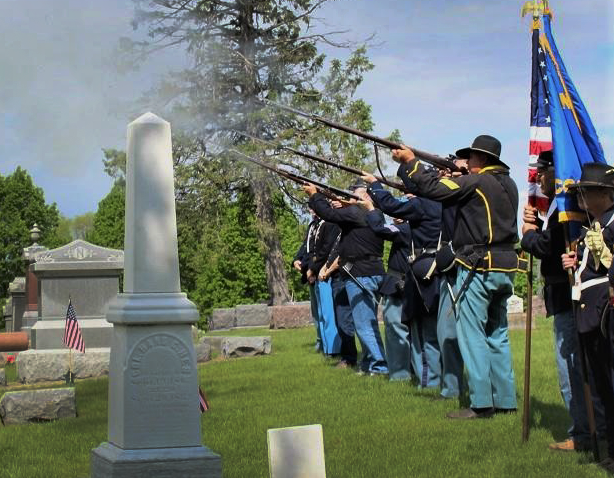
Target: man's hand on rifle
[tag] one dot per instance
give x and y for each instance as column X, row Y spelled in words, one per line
column 323, row 274
column 297, row 265
column 404, row 155
column 368, row 178
column 310, row 189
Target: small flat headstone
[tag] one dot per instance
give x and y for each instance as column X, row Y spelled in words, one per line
column 245, row 346
column 296, row 452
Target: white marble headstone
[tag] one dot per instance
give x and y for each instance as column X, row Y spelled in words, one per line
column 296, row 452
column 515, row 305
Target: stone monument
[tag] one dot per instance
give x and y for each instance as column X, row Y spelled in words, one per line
column 17, row 291
column 89, row 276
column 30, row 315
column 154, row 418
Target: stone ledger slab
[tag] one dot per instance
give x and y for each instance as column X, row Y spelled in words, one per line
column 51, row 365
column 47, row 334
column 253, row 315
column 290, row 316
column 233, row 347
column 38, row 405
column 222, row 319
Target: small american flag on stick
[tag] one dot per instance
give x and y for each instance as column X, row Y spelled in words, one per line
column 203, row 404
column 72, row 332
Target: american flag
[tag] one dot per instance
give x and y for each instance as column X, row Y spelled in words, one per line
column 203, row 404
column 540, row 131
column 72, row 332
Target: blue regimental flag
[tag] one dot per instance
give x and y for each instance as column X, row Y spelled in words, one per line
column 574, row 138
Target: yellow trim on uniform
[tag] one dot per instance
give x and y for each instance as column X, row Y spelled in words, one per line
column 414, row 170
column 487, row 214
column 490, row 269
column 490, row 168
column 449, row 183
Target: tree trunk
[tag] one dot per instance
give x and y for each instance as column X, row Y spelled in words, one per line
column 277, row 280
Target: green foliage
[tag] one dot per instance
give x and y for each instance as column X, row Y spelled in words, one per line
column 22, row 204
column 108, row 221
column 230, row 260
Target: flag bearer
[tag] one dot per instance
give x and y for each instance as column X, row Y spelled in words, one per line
column 595, row 192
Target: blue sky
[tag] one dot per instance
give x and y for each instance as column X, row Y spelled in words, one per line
column 444, row 73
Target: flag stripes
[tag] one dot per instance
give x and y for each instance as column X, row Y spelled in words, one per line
column 72, row 332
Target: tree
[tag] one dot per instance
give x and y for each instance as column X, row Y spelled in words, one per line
column 109, row 219
column 240, row 52
column 22, row 205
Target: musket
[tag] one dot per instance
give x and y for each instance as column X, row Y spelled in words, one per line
column 329, row 191
column 322, row 160
column 437, row 161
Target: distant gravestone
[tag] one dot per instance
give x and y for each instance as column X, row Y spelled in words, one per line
column 2, row 377
column 515, row 305
column 296, row 452
column 89, row 276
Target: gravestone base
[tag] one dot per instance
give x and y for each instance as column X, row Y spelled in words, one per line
column 29, row 319
column 110, row 461
column 47, row 334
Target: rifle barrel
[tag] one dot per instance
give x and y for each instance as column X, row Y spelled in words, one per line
column 320, row 159
column 437, row 161
column 299, row 179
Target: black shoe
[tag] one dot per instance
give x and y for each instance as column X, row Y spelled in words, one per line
column 471, row 413
column 505, row 411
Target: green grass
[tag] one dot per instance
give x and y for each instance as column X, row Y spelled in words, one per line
column 372, row 427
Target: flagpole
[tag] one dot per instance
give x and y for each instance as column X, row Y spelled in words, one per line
column 526, row 408
column 588, row 398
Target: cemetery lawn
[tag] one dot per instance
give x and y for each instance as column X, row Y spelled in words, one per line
column 372, row 428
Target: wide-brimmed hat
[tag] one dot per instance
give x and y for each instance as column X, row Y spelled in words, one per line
column 594, row 175
column 545, row 160
column 484, row 144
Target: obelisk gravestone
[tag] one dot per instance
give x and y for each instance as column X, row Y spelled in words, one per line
column 154, row 419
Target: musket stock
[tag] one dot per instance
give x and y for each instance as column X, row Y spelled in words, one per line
column 329, row 191
column 437, row 161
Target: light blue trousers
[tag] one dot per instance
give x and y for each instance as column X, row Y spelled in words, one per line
column 364, row 312
column 331, row 342
column 451, row 358
column 483, row 340
column 398, row 347
column 425, row 354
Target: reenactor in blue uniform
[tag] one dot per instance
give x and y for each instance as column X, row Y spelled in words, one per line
column 452, row 383
column 484, row 240
column 397, row 339
column 591, row 262
column 301, row 263
column 360, row 258
column 545, row 239
column 325, row 238
column 422, row 284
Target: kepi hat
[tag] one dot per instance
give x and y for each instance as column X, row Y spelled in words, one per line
column 359, row 183
column 545, row 160
column 484, row 144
